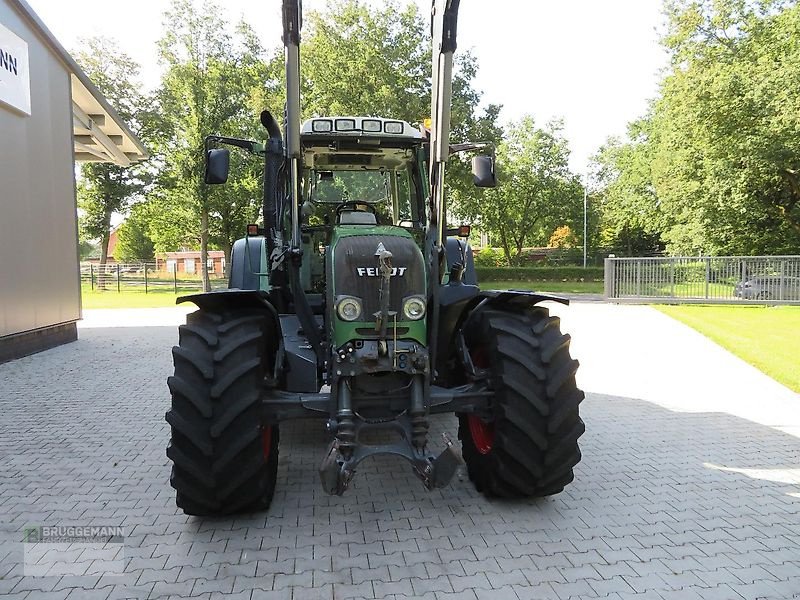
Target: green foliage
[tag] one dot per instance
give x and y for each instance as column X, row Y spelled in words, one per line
column 105, row 189
column 366, row 60
column 536, row 191
column 375, row 60
column 490, row 257
column 87, row 250
column 631, row 216
column 215, row 82
column 133, row 241
column 716, row 167
column 539, row 273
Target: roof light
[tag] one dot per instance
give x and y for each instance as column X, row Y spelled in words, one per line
column 393, row 127
column 345, row 124
column 371, row 125
column 321, row 125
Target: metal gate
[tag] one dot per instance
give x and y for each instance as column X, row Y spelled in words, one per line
column 705, row 279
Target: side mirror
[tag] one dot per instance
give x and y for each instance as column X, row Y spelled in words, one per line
column 483, row 171
column 217, row 165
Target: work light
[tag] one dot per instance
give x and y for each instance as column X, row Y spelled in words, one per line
column 345, row 124
column 321, row 125
column 393, row 127
column 371, row 125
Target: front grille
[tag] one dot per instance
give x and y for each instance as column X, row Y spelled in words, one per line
column 370, row 331
column 358, row 252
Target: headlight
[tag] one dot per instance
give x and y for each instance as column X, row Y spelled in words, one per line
column 349, row 308
column 414, row 308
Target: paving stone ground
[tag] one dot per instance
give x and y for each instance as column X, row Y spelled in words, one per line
column 689, row 487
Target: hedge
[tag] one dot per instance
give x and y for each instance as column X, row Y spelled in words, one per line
column 539, row 273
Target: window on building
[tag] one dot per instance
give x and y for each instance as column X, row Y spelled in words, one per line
column 188, row 265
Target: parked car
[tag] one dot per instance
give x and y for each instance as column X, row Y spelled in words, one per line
column 768, row 288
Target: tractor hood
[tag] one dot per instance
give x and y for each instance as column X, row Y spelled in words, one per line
column 355, row 272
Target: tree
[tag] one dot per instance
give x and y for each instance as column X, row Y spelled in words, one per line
column 536, row 192
column 360, row 59
column 105, row 189
column 715, row 167
column 632, row 221
column 562, row 237
column 724, row 154
column 133, row 241
column 364, row 60
column 214, row 83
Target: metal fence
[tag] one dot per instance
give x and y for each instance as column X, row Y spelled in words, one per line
column 707, row 279
column 144, row 277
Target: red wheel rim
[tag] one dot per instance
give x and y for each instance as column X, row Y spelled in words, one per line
column 482, row 432
column 266, row 440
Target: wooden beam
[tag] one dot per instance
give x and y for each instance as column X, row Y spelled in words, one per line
column 81, row 149
column 115, row 155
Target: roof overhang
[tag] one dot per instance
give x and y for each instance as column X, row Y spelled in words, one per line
column 100, row 134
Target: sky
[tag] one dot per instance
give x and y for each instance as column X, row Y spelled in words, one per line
column 593, row 63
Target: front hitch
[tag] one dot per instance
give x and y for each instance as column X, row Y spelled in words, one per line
column 336, row 472
column 345, row 452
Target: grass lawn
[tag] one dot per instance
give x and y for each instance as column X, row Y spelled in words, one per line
column 766, row 337
column 556, row 287
column 129, row 299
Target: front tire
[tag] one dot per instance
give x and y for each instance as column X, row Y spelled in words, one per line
column 528, row 445
column 224, row 461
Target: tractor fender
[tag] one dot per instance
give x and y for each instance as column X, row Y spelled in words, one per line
column 453, row 251
column 219, row 301
column 459, row 304
column 513, row 299
column 248, row 262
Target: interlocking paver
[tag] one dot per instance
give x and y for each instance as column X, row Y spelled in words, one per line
column 682, row 491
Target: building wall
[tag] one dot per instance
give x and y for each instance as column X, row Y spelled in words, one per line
column 39, row 281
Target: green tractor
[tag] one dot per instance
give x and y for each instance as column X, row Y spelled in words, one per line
column 356, row 304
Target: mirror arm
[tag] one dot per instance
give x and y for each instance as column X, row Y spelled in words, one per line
column 472, row 147
column 249, row 145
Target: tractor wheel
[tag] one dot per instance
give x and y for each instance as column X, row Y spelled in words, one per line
column 528, row 445
column 224, row 461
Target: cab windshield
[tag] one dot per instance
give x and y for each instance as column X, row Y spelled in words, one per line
column 390, row 193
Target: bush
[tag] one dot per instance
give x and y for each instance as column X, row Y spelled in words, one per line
column 490, row 257
column 539, row 273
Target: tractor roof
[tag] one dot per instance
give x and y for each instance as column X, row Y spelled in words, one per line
column 360, row 127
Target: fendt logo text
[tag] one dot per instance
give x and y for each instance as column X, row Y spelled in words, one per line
column 375, row 271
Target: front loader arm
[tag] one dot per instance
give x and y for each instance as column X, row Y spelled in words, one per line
column 444, row 19
column 443, row 34
column 292, row 23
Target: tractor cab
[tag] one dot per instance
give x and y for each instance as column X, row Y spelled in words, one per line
column 358, row 164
